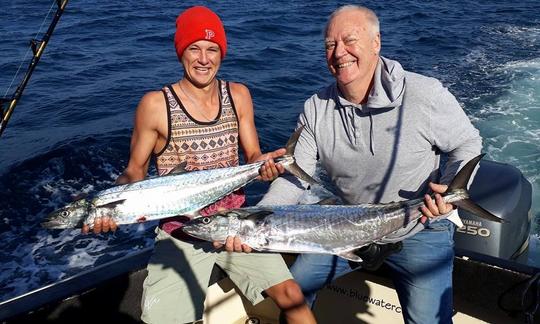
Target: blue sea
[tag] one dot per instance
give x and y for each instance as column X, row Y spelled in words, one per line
column 70, row 132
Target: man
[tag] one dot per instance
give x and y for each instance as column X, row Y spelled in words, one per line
column 378, row 132
column 201, row 120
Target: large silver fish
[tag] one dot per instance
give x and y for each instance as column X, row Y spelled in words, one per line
column 180, row 193
column 327, row 229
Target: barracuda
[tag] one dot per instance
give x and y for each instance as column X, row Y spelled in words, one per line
column 326, row 229
column 180, row 193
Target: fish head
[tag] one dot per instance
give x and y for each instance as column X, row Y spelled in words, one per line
column 209, row 228
column 69, row 216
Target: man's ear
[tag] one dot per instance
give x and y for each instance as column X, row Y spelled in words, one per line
column 377, row 44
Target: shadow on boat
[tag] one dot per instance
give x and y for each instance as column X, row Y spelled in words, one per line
column 480, row 291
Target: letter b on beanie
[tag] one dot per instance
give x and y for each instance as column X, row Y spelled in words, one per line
column 199, row 23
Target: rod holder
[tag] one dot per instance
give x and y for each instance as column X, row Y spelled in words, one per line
column 35, row 44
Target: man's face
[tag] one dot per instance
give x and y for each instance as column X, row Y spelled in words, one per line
column 352, row 49
column 201, row 61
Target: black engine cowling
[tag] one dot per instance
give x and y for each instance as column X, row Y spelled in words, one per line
column 502, row 190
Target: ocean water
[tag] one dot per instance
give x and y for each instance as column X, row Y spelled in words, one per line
column 70, row 132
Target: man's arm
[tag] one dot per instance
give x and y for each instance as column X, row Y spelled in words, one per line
column 149, row 116
column 148, row 119
column 453, row 133
column 249, row 142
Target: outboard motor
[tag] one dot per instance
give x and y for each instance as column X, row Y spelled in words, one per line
column 502, row 190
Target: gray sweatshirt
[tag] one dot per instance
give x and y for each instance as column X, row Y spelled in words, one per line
column 385, row 150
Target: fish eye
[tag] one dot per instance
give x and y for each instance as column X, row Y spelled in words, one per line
column 64, row 213
column 206, row 220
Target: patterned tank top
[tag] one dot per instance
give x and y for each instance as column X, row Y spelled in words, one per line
column 202, row 145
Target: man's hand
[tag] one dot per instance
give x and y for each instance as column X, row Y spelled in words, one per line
column 101, row 225
column 435, row 208
column 271, row 170
column 234, row 244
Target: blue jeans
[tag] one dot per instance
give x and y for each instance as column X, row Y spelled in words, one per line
column 421, row 271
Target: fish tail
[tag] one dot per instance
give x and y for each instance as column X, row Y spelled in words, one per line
column 460, row 183
column 472, row 207
column 299, row 173
column 293, row 168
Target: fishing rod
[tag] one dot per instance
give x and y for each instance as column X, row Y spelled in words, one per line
column 37, row 46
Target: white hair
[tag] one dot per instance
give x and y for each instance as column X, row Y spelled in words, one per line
column 371, row 17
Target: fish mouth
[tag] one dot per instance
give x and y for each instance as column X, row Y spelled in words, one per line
column 53, row 224
column 193, row 228
column 190, row 230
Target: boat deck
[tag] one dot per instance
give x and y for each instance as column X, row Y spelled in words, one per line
column 478, row 290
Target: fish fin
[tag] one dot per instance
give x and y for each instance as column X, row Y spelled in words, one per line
column 460, row 182
column 373, row 254
column 349, row 255
column 328, row 201
column 112, row 204
column 179, row 169
column 299, row 173
column 258, row 216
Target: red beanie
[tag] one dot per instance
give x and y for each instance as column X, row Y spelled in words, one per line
column 199, row 23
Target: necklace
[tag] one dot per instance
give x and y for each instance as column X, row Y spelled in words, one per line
column 193, row 102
